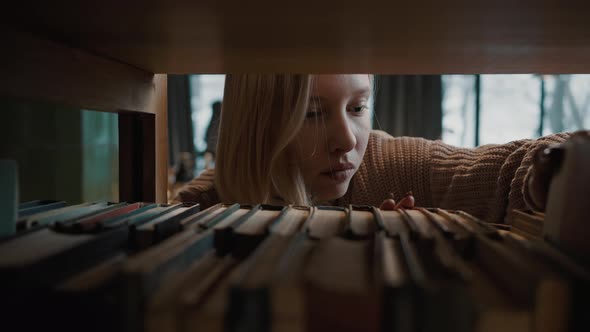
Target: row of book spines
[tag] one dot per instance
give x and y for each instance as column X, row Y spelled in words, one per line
column 412, row 225
column 487, row 233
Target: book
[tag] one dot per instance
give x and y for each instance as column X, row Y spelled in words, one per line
column 335, row 303
column 163, row 308
column 202, row 216
column 9, row 196
column 224, row 230
column 93, row 223
column 38, row 206
column 292, row 221
column 144, row 273
column 42, row 219
column 162, row 227
column 248, row 235
column 495, row 308
column 398, row 307
column 89, row 298
column 202, row 305
column 45, row 257
column 219, row 212
column 287, row 287
column 576, row 274
column 360, row 222
column 439, row 274
column 526, row 223
column 148, row 217
column 462, row 239
column 136, row 217
column 327, row 221
column 567, row 199
column 392, row 222
column 250, row 301
column 531, row 283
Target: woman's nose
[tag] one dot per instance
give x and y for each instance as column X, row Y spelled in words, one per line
column 341, row 136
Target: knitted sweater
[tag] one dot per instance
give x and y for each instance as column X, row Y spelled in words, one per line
column 487, row 181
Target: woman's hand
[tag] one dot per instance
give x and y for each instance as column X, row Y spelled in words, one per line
column 545, row 165
column 408, row 202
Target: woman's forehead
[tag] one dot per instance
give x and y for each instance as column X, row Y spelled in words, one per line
column 340, row 85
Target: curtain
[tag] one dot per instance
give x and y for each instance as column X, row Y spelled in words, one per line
column 409, row 105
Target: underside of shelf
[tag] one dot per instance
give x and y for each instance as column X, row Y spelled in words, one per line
column 378, row 36
column 37, row 69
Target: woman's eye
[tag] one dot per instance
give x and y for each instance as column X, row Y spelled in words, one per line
column 359, row 109
column 313, row 111
column 312, row 114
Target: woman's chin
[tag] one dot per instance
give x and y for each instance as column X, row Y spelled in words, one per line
column 332, row 193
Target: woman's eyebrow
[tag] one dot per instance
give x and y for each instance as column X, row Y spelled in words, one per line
column 358, row 92
column 363, row 91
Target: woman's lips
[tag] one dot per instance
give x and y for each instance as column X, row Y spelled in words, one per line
column 339, row 173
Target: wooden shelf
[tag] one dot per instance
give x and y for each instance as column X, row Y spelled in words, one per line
column 37, row 69
column 378, row 36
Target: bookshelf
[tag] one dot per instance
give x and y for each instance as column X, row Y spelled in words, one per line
column 39, row 69
column 114, row 57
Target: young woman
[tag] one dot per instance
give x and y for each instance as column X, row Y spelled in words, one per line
column 307, row 139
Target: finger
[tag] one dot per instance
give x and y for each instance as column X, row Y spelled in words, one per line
column 408, row 202
column 388, row 204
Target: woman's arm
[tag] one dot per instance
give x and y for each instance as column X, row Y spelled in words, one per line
column 487, row 181
column 200, row 190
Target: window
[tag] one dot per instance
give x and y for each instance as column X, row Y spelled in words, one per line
column 512, row 107
column 205, row 90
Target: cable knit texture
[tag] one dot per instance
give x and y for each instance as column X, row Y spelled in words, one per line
column 486, row 181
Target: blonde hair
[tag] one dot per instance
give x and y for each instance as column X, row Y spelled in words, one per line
column 261, row 115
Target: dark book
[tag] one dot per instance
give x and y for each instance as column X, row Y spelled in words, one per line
column 203, row 304
column 250, row 293
column 162, row 226
column 144, row 273
column 224, row 229
column 45, row 257
column 248, row 235
column 341, row 294
column 399, row 310
column 441, row 278
column 46, row 218
column 531, row 282
column 163, row 309
column 33, row 207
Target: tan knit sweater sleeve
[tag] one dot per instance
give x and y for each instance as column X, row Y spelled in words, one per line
column 486, row 181
column 200, row 190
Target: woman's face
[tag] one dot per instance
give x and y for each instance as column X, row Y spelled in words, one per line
column 334, row 136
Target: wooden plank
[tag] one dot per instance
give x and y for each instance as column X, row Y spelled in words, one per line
column 377, row 36
column 159, row 106
column 137, row 157
column 38, row 69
